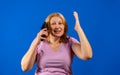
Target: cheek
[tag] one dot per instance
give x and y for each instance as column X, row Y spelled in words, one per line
column 52, row 27
column 63, row 28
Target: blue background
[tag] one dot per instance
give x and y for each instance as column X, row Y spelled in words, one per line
column 20, row 21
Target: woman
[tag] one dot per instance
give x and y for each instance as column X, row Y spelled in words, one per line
column 54, row 54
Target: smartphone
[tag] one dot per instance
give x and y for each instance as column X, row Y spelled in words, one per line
column 44, row 25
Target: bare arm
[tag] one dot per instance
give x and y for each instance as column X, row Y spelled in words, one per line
column 29, row 58
column 83, row 49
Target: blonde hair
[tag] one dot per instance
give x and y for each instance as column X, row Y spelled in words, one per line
column 63, row 38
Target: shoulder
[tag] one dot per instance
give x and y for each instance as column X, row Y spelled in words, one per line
column 72, row 40
column 41, row 46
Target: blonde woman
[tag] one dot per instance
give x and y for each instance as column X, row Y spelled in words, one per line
column 54, row 54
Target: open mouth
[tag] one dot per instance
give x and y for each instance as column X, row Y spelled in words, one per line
column 57, row 30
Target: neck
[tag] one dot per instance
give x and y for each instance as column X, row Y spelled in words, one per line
column 53, row 39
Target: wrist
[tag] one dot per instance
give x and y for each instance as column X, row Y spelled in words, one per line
column 36, row 41
column 79, row 29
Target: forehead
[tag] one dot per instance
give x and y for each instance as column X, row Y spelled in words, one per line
column 55, row 18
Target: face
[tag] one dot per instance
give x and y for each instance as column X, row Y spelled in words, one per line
column 57, row 26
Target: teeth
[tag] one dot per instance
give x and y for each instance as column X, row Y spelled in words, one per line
column 57, row 30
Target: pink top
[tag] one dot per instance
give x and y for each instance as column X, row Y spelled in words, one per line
column 58, row 62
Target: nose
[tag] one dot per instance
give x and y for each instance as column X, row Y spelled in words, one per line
column 57, row 25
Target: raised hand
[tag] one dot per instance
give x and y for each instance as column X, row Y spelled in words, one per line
column 42, row 35
column 77, row 24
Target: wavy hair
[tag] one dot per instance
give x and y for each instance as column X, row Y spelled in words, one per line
column 64, row 37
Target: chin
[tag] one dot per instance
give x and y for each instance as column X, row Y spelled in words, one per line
column 58, row 35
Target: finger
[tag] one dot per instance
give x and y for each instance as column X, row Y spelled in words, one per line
column 45, row 29
column 75, row 15
column 75, row 12
column 45, row 34
column 43, row 38
column 42, row 31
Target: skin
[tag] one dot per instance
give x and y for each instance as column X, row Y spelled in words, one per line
column 56, row 25
column 57, row 30
column 82, row 49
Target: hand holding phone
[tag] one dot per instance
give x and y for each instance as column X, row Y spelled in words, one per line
column 44, row 26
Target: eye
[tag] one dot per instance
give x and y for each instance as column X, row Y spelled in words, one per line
column 53, row 23
column 60, row 23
